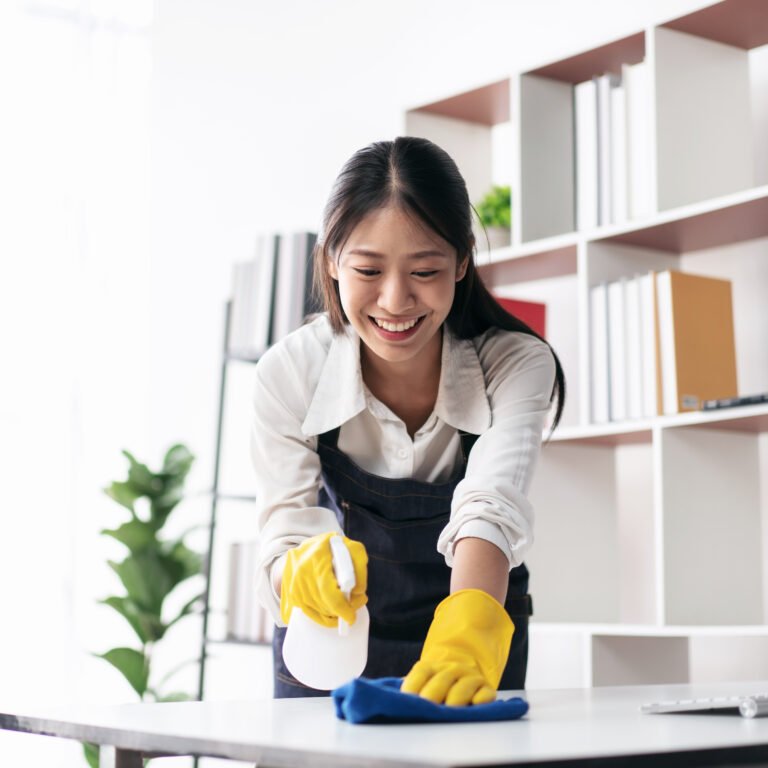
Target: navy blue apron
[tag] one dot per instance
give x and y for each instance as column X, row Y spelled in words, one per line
column 399, row 521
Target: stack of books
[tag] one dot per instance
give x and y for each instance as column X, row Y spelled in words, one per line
column 271, row 293
column 613, row 147
column 661, row 343
column 247, row 621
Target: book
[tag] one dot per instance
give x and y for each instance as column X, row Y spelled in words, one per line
column 600, row 399
column 617, row 349
column 532, row 313
column 637, row 87
column 604, row 84
column 696, row 340
column 585, row 109
column 649, row 364
column 293, row 292
column 633, row 345
column 618, row 153
column 734, row 402
column 247, row 620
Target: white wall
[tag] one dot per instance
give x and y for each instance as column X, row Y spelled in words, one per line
column 238, row 118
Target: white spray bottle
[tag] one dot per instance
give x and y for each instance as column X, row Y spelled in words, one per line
column 327, row 657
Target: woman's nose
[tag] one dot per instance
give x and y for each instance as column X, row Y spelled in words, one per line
column 396, row 295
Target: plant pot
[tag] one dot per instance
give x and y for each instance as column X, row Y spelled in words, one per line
column 498, row 237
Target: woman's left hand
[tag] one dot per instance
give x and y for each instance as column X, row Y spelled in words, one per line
column 465, row 652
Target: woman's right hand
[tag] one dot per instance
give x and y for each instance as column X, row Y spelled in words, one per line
column 309, row 583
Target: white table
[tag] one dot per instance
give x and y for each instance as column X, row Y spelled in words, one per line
column 571, row 725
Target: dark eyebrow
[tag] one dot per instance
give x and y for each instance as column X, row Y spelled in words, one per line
column 416, row 255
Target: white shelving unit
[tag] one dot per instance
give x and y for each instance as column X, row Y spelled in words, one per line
column 651, row 555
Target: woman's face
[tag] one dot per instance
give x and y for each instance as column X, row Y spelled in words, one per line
column 397, row 279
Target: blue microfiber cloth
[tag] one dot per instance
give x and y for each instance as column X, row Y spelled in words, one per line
column 381, row 701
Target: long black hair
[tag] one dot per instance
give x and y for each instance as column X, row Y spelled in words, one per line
column 423, row 179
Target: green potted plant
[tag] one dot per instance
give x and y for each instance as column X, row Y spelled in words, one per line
column 495, row 213
column 152, row 569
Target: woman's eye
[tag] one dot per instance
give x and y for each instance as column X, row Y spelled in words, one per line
column 366, row 272
column 426, row 273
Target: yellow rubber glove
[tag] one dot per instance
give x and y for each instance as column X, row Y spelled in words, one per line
column 465, row 652
column 310, row 584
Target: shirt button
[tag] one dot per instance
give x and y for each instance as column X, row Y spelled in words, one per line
column 403, row 453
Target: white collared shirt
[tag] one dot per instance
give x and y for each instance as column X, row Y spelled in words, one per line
column 496, row 385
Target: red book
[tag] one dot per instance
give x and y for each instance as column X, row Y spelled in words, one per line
column 532, row 313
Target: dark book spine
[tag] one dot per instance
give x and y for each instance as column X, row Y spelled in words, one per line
column 734, row 402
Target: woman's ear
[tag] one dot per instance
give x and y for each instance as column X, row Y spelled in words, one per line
column 461, row 268
column 333, row 268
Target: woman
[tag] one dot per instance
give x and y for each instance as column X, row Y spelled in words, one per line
column 409, row 417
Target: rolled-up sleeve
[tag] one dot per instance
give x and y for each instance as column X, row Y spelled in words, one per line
column 491, row 501
column 287, row 469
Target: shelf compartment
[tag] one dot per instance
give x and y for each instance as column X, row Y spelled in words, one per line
column 710, row 105
column 604, row 58
column 547, row 155
column 715, row 513
column 646, row 660
column 469, row 127
column 722, row 221
column 740, row 23
column 601, row 654
column 593, row 558
column 554, row 257
column 560, row 296
column 744, row 264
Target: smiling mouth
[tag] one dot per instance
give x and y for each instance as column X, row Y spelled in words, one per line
column 398, row 327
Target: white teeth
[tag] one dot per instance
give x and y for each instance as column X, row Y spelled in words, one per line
column 395, row 327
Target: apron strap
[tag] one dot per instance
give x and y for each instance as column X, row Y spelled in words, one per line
column 467, row 441
column 330, row 439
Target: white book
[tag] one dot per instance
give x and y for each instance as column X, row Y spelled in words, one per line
column 261, row 294
column 238, row 321
column 604, row 191
column 585, row 107
column 599, row 373
column 637, row 87
column 666, row 342
column 255, row 611
column 649, row 371
column 291, row 284
column 232, row 591
column 617, row 349
column 618, row 154
column 632, row 341
column 284, row 277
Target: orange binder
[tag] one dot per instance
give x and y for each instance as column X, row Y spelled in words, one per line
column 696, row 340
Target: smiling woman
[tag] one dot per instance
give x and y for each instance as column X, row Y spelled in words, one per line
column 408, row 417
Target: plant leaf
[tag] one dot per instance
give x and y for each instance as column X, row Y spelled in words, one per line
column 182, row 561
column 135, row 534
column 142, row 478
column 178, row 461
column 91, row 752
column 186, row 610
column 147, row 626
column 149, row 576
column 124, row 494
column 132, row 664
column 176, row 696
column 145, row 579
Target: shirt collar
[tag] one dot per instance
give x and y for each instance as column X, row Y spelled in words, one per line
column 462, row 401
column 340, row 394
